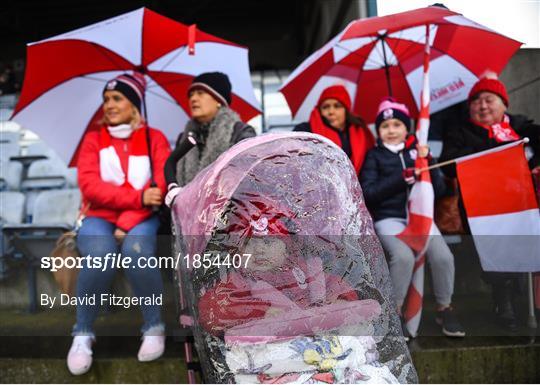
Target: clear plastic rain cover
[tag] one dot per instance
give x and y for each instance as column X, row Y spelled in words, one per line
column 282, row 271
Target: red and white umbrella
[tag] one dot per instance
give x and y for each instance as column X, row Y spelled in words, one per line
column 383, row 56
column 65, row 75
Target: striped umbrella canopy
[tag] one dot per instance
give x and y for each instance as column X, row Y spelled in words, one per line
column 383, row 56
column 65, row 75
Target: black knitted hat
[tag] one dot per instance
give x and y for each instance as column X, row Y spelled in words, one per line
column 216, row 84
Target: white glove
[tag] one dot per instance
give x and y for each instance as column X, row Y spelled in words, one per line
column 174, row 190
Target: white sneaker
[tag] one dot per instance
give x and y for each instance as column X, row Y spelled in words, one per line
column 152, row 348
column 79, row 359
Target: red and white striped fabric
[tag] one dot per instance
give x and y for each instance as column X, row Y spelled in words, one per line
column 65, row 75
column 138, row 170
column 502, row 210
column 420, row 210
column 370, row 53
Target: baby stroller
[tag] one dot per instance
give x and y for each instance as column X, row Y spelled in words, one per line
column 281, row 271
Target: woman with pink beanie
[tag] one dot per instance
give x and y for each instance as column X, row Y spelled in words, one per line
column 387, row 177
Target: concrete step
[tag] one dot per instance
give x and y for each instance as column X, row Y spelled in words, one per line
column 106, row 370
column 513, row 363
column 481, row 364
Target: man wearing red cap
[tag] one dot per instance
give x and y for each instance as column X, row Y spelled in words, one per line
column 489, row 125
column 332, row 118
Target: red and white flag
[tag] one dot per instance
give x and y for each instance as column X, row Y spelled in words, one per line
column 420, row 211
column 502, row 210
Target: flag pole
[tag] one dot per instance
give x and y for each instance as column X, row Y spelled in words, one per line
column 531, row 321
column 475, row 155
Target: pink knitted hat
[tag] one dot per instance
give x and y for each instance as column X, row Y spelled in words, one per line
column 391, row 109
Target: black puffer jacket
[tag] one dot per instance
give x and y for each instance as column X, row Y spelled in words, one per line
column 384, row 188
column 467, row 138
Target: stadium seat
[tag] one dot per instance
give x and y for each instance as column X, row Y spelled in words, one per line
column 11, row 212
column 71, row 177
column 45, row 174
column 42, row 175
column 8, row 149
column 55, row 213
column 58, row 207
column 10, row 175
column 11, row 207
column 10, row 126
column 8, row 136
column 40, row 148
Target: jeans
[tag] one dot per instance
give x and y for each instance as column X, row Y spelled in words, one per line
column 95, row 238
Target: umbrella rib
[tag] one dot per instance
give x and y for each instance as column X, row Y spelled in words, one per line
column 355, row 53
column 108, row 57
column 180, row 51
column 149, row 85
column 168, row 82
column 170, row 100
column 400, row 68
column 91, row 77
column 413, row 42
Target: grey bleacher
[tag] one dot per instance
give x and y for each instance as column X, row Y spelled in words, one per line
column 39, row 199
column 8, row 149
column 29, row 165
column 55, row 213
column 10, row 136
column 71, row 177
column 58, row 207
column 42, row 175
column 45, row 174
column 10, row 175
column 11, row 212
column 9, row 141
column 11, row 207
column 40, row 148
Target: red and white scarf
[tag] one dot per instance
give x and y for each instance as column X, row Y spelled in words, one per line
column 501, row 132
column 360, row 139
column 110, row 167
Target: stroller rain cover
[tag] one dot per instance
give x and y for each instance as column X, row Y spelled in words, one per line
column 281, row 269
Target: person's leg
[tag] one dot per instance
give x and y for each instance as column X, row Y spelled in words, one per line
column 140, row 244
column 441, row 263
column 95, row 238
column 503, row 297
column 401, row 257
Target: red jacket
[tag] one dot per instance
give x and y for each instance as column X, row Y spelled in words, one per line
column 120, row 205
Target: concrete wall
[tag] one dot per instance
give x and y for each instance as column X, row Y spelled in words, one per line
column 522, row 79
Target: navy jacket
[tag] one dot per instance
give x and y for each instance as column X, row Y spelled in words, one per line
column 384, row 188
